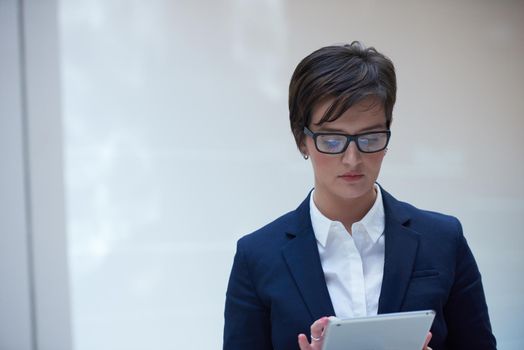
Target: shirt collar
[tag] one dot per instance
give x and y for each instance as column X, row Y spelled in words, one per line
column 373, row 222
column 320, row 223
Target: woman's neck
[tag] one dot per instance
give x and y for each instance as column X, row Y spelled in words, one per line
column 345, row 210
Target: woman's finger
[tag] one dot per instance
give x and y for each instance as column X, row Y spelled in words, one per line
column 428, row 339
column 303, row 343
column 317, row 329
column 316, row 334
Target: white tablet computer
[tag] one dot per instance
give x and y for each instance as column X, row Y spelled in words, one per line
column 396, row 331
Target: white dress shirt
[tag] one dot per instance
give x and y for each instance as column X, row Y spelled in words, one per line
column 353, row 264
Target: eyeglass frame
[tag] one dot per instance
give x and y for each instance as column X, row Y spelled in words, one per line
column 349, row 138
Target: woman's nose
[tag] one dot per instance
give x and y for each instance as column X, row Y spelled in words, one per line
column 352, row 154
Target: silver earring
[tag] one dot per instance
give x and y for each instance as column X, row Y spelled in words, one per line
column 306, row 156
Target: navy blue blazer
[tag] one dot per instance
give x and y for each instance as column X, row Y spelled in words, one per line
column 277, row 287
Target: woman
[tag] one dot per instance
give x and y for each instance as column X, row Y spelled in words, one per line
column 350, row 249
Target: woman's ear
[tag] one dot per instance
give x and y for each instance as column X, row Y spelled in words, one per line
column 303, row 149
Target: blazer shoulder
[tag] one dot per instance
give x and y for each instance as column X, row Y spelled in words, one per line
column 276, row 232
column 271, row 233
column 429, row 215
column 408, row 213
column 431, row 222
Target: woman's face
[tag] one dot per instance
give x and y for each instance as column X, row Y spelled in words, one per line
column 350, row 175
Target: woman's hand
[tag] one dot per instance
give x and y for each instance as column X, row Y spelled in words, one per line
column 317, row 333
column 428, row 338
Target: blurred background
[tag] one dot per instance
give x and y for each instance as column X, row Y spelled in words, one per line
column 140, row 139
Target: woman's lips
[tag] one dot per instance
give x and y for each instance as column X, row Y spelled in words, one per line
column 350, row 177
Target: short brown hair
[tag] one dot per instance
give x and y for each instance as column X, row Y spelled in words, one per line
column 346, row 73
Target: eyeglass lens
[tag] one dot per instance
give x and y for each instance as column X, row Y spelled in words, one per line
column 337, row 143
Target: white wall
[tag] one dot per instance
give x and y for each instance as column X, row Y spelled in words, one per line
column 177, row 143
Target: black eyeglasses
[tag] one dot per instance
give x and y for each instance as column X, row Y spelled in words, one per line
column 336, row 143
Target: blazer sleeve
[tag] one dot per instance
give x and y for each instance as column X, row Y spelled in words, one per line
column 246, row 318
column 466, row 311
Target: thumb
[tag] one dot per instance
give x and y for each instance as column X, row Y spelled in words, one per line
column 428, row 339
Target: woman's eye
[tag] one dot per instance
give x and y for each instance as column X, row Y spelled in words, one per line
column 332, row 143
column 369, row 140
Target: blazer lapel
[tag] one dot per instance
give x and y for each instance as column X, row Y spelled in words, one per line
column 303, row 260
column 401, row 244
